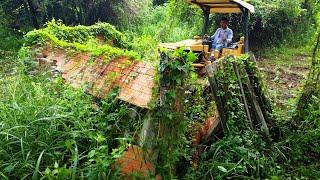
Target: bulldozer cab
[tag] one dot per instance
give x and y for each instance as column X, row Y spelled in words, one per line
column 202, row 45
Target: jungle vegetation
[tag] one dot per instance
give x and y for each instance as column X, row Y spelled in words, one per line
column 50, row 130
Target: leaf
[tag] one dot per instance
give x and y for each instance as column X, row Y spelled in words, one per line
column 91, row 153
column 221, row 168
column 36, row 171
column 100, row 138
column 47, row 171
column 56, row 171
column 56, row 165
column 9, row 168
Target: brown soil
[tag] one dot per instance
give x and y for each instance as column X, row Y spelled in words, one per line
column 285, row 79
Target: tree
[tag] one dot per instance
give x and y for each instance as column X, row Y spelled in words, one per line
column 30, row 4
column 159, row 2
column 312, row 85
column 35, row 13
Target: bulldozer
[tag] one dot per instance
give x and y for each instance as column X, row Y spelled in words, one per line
column 202, row 45
column 133, row 160
column 137, row 86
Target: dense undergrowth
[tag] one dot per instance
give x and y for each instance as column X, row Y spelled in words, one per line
column 111, row 44
column 242, row 153
column 85, row 140
column 245, row 154
column 53, row 131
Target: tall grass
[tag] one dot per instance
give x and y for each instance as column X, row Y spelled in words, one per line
column 172, row 22
column 48, row 129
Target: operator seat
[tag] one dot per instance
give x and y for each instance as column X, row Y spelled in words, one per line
column 236, row 49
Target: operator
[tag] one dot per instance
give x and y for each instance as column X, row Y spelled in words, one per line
column 223, row 36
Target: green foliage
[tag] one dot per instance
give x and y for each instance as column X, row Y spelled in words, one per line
column 23, row 14
column 146, row 46
column 10, row 40
column 274, row 22
column 305, row 125
column 280, row 21
column 77, row 34
column 159, row 2
column 170, row 22
column 8, row 63
column 52, row 131
column 240, row 154
column 243, row 153
column 172, row 143
column 83, row 38
column 306, row 106
column 300, row 141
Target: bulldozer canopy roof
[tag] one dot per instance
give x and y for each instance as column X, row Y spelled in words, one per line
column 223, row 6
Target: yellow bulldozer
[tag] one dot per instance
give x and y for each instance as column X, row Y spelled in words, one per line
column 203, row 45
column 134, row 159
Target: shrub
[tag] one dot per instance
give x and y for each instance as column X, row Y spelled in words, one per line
column 83, row 38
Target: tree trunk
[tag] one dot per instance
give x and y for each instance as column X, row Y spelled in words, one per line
column 315, row 60
column 312, row 86
column 33, row 14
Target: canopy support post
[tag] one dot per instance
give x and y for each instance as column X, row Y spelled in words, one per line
column 206, row 13
column 245, row 19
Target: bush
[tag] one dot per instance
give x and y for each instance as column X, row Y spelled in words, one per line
column 78, row 34
column 273, row 23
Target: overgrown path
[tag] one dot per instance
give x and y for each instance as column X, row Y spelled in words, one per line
column 284, row 70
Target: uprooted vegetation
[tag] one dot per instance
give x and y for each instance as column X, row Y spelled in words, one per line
column 101, row 39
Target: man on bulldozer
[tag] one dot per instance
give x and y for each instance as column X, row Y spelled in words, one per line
column 223, row 36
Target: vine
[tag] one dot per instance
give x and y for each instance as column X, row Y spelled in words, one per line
column 175, row 67
column 241, row 153
column 83, row 39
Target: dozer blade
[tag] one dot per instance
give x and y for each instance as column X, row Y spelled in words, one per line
column 138, row 161
column 208, row 129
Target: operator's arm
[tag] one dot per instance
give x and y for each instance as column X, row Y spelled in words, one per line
column 215, row 34
column 229, row 36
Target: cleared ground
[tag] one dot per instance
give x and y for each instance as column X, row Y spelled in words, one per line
column 284, row 70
